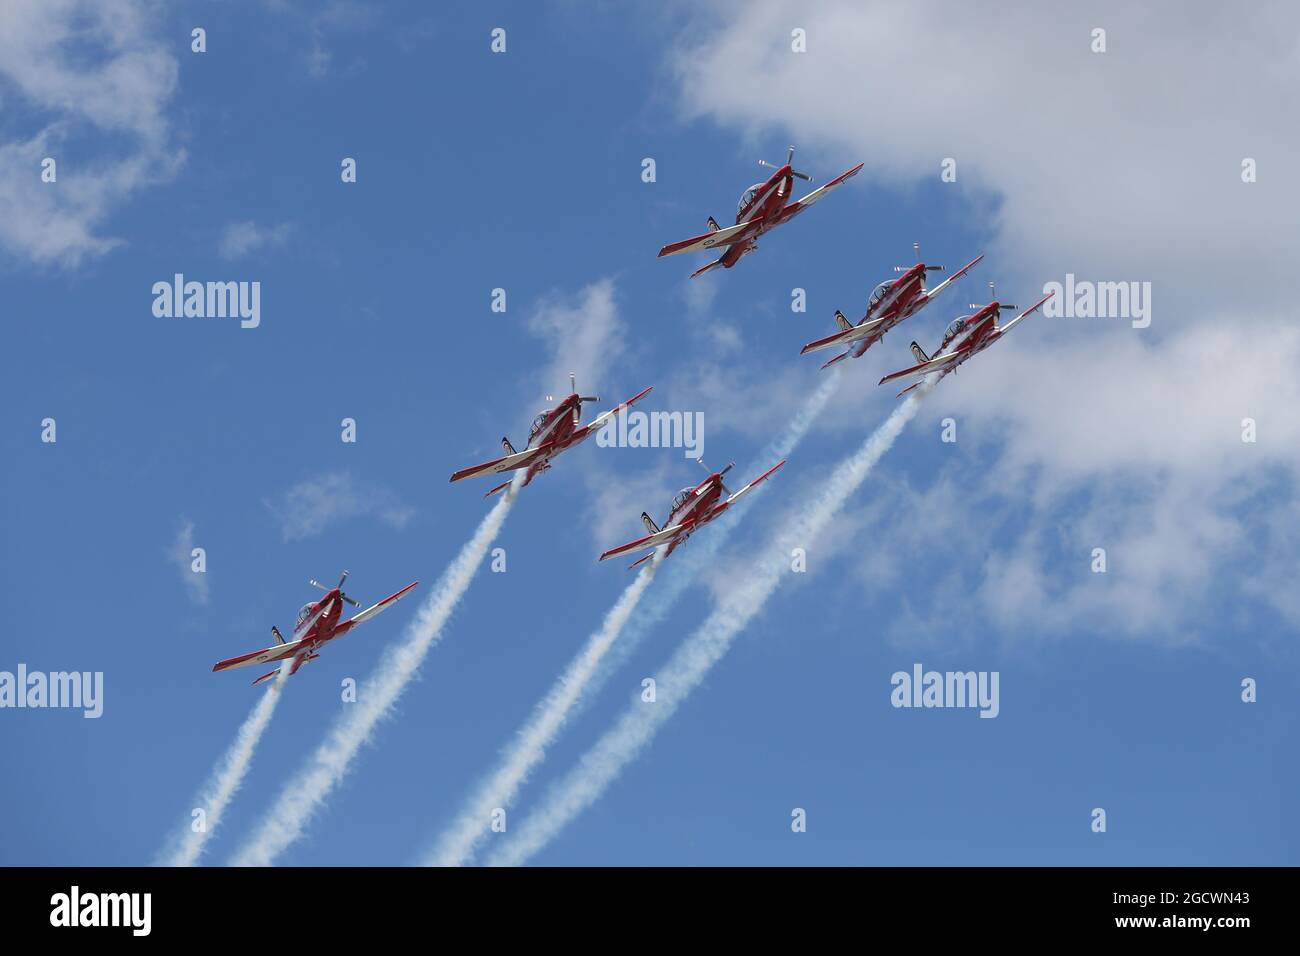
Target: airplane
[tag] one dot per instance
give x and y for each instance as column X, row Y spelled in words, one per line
column 762, row 207
column 552, row 432
column 691, row 509
column 318, row 624
column 966, row 336
column 890, row 303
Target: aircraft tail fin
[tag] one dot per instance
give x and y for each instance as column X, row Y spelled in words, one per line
column 649, row 523
column 505, row 443
column 919, row 353
column 713, row 225
column 275, row 632
column 844, row 323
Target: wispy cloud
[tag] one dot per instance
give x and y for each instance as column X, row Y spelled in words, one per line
column 240, row 239
column 310, row 506
column 180, row 554
column 69, row 67
column 584, row 333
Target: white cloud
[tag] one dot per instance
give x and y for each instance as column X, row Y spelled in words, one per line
column 75, row 68
column 584, row 335
column 1126, row 162
column 310, row 506
column 1116, row 166
column 180, row 554
column 245, row 238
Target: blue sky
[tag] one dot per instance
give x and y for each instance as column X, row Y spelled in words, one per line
column 523, row 171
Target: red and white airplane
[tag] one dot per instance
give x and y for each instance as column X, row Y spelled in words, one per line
column 691, row 509
column 552, row 432
column 966, row 336
column 318, row 624
column 762, row 207
column 891, row 302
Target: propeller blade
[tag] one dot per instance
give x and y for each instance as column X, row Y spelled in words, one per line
column 349, row 600
column 1006, row 306
column 588, row 398
column 789, row 157
column 804, row 176
column 934, row 268
column 725, row 490
column 316, row 584
column 343, row 578
column 573, row 383
column 764, row 162
column 916, row 247
column 727, row 469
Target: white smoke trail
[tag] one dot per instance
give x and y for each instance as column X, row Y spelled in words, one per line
column 226, row 778
column 602, row 764
column 585, row 674
column 529, row 748
column 698, row 555
column 303, row 795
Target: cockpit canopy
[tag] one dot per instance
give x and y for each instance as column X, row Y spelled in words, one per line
column 956, row 326
column 748, row 197
column 538, row 422
column 306, row 610
column 879, row 292
column 683, row 496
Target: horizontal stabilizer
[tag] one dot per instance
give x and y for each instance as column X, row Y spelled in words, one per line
column 839, row 358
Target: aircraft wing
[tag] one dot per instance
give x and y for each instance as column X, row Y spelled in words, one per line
column 374, row 609
column 595, row 423
column 509, row 463
column 277, row 653
column 744, row 491
column 1033, row 308
column 931, row 293
column 843, row 336
column 792, row 210
column 924, row 368
column 710, row 240
column 662, row 536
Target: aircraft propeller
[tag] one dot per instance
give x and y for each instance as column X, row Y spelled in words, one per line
column 789, row 157
column 916, row 247
column 732, row 465
column 573, row 388
column 316, row 584
column 1002, row 306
